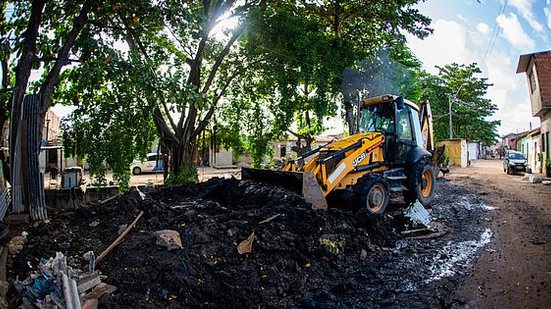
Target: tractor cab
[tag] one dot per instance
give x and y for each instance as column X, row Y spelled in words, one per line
column 398, row 120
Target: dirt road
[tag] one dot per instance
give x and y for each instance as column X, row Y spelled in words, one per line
column 515, row 269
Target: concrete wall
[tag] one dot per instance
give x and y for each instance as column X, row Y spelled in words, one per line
column 76, row 197
column 456, row 151
column 224, row 158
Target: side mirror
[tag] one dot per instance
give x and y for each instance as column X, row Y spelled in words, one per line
column 400, row 103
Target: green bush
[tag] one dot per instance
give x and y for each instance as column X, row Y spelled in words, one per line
column 186, row 175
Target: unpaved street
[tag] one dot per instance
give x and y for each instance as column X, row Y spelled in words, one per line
column 515, row 269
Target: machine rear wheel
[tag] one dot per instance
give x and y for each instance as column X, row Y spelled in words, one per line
column 136, row 170
column 374, row 196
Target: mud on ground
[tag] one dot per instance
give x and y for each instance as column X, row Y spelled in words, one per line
column 301, row 258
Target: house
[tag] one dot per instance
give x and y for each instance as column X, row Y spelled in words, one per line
column 51, row 129
column 537, row 67
column 508, row 141
column 529, row 145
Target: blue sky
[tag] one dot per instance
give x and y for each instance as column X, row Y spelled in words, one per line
column 466, row 30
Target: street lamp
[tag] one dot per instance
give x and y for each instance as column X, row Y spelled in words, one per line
column 450, row 107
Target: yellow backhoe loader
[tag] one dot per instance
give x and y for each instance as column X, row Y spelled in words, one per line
column 389, row 154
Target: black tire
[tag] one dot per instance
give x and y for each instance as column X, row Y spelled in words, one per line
column 508, row 170
column 136, row 170
column 420, row 183
column 373, row 195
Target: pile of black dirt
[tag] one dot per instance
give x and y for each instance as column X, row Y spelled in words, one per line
column 297, row 255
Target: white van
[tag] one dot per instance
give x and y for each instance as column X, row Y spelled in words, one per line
column 152, row 163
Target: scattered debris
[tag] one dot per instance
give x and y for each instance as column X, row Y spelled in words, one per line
column 120, row 238
column 56, row 285
column 418, row 215
column 269, row 219
column 169, row 239
column 246, row 246
column 16, row 244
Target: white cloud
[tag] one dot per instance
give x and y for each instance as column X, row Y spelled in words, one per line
column 509, row 92
column 483, row 28
column 481, row 36
column 547, row 12
column 524, row 7
column 498, row 67
column 512, row 31
column 447, row 44
column 462, row 18
column 452, row 42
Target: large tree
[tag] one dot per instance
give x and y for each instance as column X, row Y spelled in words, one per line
column 181, row 61
column 368, row 25
column 463, row 88
column 300, row 51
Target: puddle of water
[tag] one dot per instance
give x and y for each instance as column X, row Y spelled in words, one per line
column 455, row 255
column 467, row 204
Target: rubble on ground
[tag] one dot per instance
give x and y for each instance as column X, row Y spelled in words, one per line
column 245, row 244
column 219, row 243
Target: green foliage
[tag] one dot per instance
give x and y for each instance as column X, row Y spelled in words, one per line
column 247, row 113
column 114, row 126
column 188, row 174
column 294, row 60
column 470, row 108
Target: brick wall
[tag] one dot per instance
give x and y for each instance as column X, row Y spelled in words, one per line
column 543, row 69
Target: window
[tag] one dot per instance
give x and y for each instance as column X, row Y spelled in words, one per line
column 377, row 118
column 282, row 151
column 403, row 126
column 152, row 157
column 532, row 80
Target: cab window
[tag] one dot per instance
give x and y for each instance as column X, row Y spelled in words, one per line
column 377, row 118
column 403, row 126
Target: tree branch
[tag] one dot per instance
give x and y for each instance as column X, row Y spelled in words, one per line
column 63, row 54
column 221, row 57
column 203, row 123
column 162, row 128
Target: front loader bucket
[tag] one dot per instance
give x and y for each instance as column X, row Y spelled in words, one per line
column 302, row 183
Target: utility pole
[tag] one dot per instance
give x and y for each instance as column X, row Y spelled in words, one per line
column 450, row 107
column 450, row 113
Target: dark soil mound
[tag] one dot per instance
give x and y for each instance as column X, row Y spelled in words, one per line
column 298, row 256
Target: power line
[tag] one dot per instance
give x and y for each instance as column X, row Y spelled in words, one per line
column 496, row 31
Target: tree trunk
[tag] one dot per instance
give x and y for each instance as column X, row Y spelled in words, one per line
column 349, row 117
column 181, row 156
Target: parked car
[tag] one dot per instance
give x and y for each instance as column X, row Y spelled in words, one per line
column 152, row 163
column 514, row 162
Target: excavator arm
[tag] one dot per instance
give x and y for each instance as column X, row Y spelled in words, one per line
column 425, row 118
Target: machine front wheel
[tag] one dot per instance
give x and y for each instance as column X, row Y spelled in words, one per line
column 374, row 196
